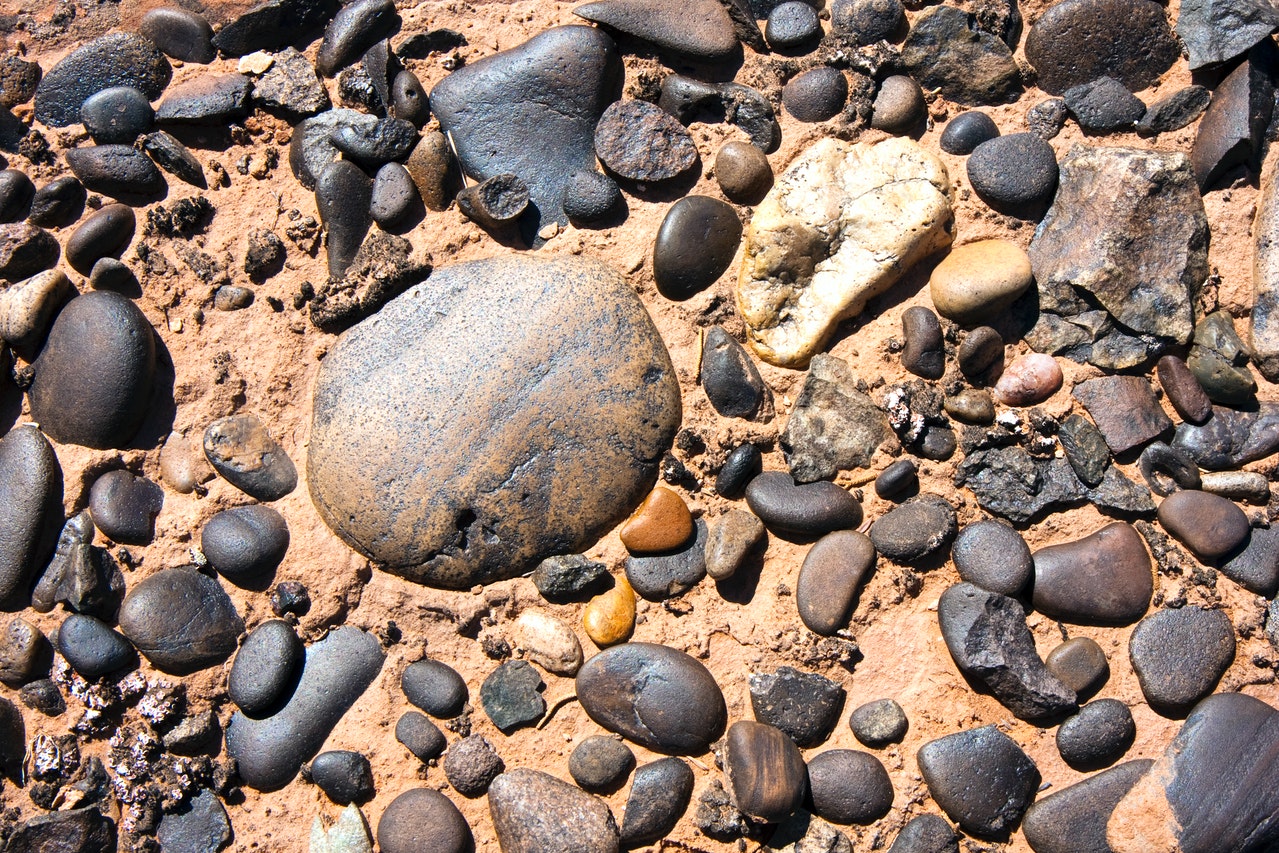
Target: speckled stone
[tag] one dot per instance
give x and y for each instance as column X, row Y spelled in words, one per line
column 830, row 579
column 1077, row 41
column 981, row 778
column 533, row 812
column 117, row 59
column 244, row 453
column 423, row 818
column 1180, row 655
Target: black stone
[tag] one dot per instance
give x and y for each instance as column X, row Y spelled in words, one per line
column 124, row 506
column 435, row 687
column 30, row 502
column 924, row 354
column 1255, row 566
column 1231, row 437
column 115, row 170
column 494, row 202
column 867, row 21
column 1214, row 33
column 343, row 775
column 265, row 668
column 897, row 479
column 84, row 830
column 1073, row 820
column 371, row 146
column 729, row 377
column 179, row 33
column 658, row 798
column 92, row 648
column 512, row 696
column 394, row 195
column 290, row 597
column 181, row 620
column 600, row 763
column 695, row 245
column 991, row 554
column 1167, row 469
column 792, row 26
column 1013, row 172
column 926, row 833
column 117, row 59
column 42, row 695
column 58, row 202
column 271, row 24
column 1180, row 655
column 879, row 723
column 245, row 543
column 408, row 99
column 660, row 576
column 311, row 150
column 849, row 786
column 18, row 79
column 208, row 99
column 16, row 192
column 966, row 131
column 1077, row 41
column 589, row 196
column 343, row 195
column 1085, row 448
column 1099, row 734
column 354, row 29
column 106, row 233
column 1080, row 664
column 199, row 826
column 806, row 510
column 1175, row 111
column 739, row 469
column 816, row 95
column 83, row 577
column 568, row 578
column 804, row 705
column 242, row 451
column 981, row 778
column 942, row 51
column 1104, row 105
column 175, row 158
column 688, row 100
column 420, row 736
column 118, row 115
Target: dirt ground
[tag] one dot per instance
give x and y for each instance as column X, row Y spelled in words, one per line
column 264, row 359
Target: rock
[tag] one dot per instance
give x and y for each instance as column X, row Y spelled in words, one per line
column 802, row 510
column 471, row 764
column 805, row 832
column 924, row 353
column 1219, row 361
column 816, row 95
column 16, row 192
column 688, row 100
column 926, row 833
column 654, row 695
column 1209, row 525
column 1264, row 334
column 124, row 507
column 207, row 99
column 421, row 817
column 486, row 109
column 344, row 195
column 743, row 172
column 661, row 522
column 696, row 243
column 115, row 170
column 1029, row 380
column 660, row 576
column 354, row 29
column 590, row 197
column 408, row 99
column 18, row 79
column 30, row 502
column 969, row 67
column 981, row 778
column 58, row 202
column 84, row 830
column 765, row 770
column 1125, row 410
column 1014, row 188
column 430, row 165
column 609, row 618
column 915, row 529
column 174, row 158
column 1146, row 282
column 349, row 834
column 373, row 144
column 1231, row 437
column 899, row 105
column 1080, row 664
column 420, row 736
column 658, row 799
column 1256, row 565
column 105, row 233
column 1073, row 820
column 972, row 406
column 1077, row 41
column 92, row 648
column 478, row 529
column 729, row 377
column 831, row 577
column 270, row 24
column 1179, row 655
column 494, row 203
column 730, row 541
column 311, row 151
column 867, row 21
column 1104, row 105
column 384, row 267
column 898, row 480
column 181, row 467
column 1218, row 32
column 1250, row 486
column 290, row 597
column 804, row 705
column 977, row 282
column 991, row 554
column 179, row 34
column 600, row 763
column 25, row 653
column 244, row 453
column 28, row 307
column 79, row 575
column 111, row 274
column 117, row 59
column 512, row 696
column 792, row 26
column 1231, row 131
column 1104, row 578
column 181, row 620
column 638, row 141
column 966, row 131
column 833, row 426
column 849, row 786
column 263, row 673
column 1183, row 390
column 435, row 687
column 25, row 250
column 879, row 723
column 567, row 578
column 704, row 34
column 264, row 256
column 741, row 466
column 200, row 826
column 548, row 642
column 987, row 636
column 393, row 196
column 245, row 543
column 291, row 85
column 1175, row 111
column 533, row 811
column 1101, row 732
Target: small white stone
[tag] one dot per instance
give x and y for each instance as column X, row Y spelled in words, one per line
column 350, row 834
column 548, row 642
column 255, row 63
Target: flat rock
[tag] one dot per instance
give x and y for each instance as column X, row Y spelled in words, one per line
column 833, row 426
column 1104, row 106
column 353, row 30
column 804, row 705
column 808, row 509
column 84, row 830
column 1180, row 655
column 1256, row 566
column 830, row 578
column 658, row 798
column 1077, row 41
column 926, row 833
column 1209, row 525
column 291, row 85
column 533, row 812
column 1175, row 111
column 638, row 141
column 25, row 250
column 1231, row 437
column 943, row 51
column 30, row 501
column 765, row 771
column 1102, row 578
column 116, row 59
column 512, row 696
column 820, row 244
column 1073, row 820
column 915, row 529
column 1232, row 129
column 981, row 779
column 207, row 99
column 270, row 24
column 704, row 32
column 200, row 826
column 248, row 457
column 115, row 170
column 181, row 620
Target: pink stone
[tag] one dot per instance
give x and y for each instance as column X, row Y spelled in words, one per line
column 1029, row 380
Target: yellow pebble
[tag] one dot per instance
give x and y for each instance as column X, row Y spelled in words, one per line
column 609, row 618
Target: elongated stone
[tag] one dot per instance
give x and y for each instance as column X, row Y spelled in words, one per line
column 1105, row 577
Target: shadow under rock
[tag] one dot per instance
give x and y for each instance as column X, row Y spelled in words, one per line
column 740, row 587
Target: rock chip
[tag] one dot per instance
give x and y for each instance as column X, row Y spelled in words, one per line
column 915, row 529
column 1014, row 188
column 348, row 834
column 25, row 653
column 1086, row 449
column 1073, row 820
column 658, row 799
column 265, row 667
column 291, row 85
column 849, row 786
column 830, row 579
column 175, row 158
column 699, row 31
column 25, row 250
column 1104, row 105
column 942, row 51
column 1175, row 111
column 421, row 818
column 18, row 79
column 729, row 377
column 84, row 830
column 1103, row 578
column 1219, row 361
column 765, row 771
column 533, row 812
column 1077, row 41
column 833, row 426
column 117, row 59
column 1100, row 733
column 181, row 620
column 639, row 141
column 30, row 502
column 804, row 705
column 689, row 100
column 494, row 203
column 730, row 541
column 435, row 687
column 567, row 577
column 977, row 282
column 1179, row 655
column 1231, row 437
column 201, row 825
column 981, row 778
column 1232, row 129
column 512, row 696
column 695, row 245
column 1209, row 525
column 600, row 763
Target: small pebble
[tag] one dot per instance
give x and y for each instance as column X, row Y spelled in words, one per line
column 977, row 282
column 972, row 406
column 1080, row 664
column 926, row 833
column 739, row 469
column 495, row 202
column 1013, row 172
column 662, row 522
column 609, row 618
column 241, row 449
column 420, row 817
column 409, row 100
column 816, row 95
column 589, row 196
column 16, row 193
column 1046, row 118
column 915, row 529
column 105, row 233
column 804, row 705
column 471, row 764
column 1250, row 486
column 420, row 736
column 568, row 577
column 600, row 763
column 124, row 507
column 897, row 479
column 265, row 667
column 1209, row 525
column 245, row 543
column 791, row 26
column 179, row 33
column 849, row 786
column 695, row 245
column 730, row 541
column 1029, row 380
column 966, row 131
column 58, row 202
column 512, row 696
column 1099, row 734
column 181, row 467
column 867, row 21
column 743, row 172
column 729, row 376
column 111, row 274
column 290, row 597
column 924, row 354
column 991, row 554
column 899, row 105
column 25, row 653
column 765, row 771
column 92, row 648
column 810, row 509
column 879, row 723
column 548, row 642
column 659, row 576
column 118, row 115
column 658, row 798
column 435, row 687
column 394, row 195
column 982, row 350
column 344, row 776
column 831, row 577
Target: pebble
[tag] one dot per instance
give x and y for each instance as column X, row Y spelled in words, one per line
column 106, row 232
column 1028, row 185
column 175, row 158
column 1256, row 565
column 265, row 667
column 730, row 541
column 125, row 506
column 792, row 26
column 743, row 106
column 966, row 131
column 111, row 274
column 179, row 34
column 200, row 826
column 657, row 696
column 18, row 79
column 95, row 372
column 658, row 799
column 471, row 764
column 969, row 66
column 832, row 426
column 311, row 150
column 1175, row 111
column 765, row 771
column 290, row 597
column 1099, row 734
column 344, row 776
column 1231, row 130
column 981, row 779
column 663, row 575
column 695, row 245
column 982, row 351
column 512, row 696
column 1166, row 469
column 1250, row 486
column 92, row 648
column 568, row 577
column 548, row 642
column 804, row 705
column 1231, row 437
column 849, row 786
column 409, row 100
column 741, row 466
column 1209, row 525
column 830, row 579
column 353, row 30
column 1080, row 664
column 335, row 672
column 344, row 196
column 704, row 33
column 230, row 297
column 816, row 95
column 915, row 529
column 87, row 830
column 926, row 833
column 879, row 723
column 117, row 59
column 641, row 142
column 16, row 193
column 420, row 736
column 899, row 105
column 435, row 687
column 28, row 307
column 609, row 618
column 590, row 196
column 207, row 99
column 600, row 763
column 1077, row 41
column 1104, row 105
column 661, row 522
column 991, row 554
column 25, row 250
column 244, row 453
column 1103, row 578
column 867, row 21
column 30, row 503
column 977, row 282
column 1029, row 380
column 181, row 621
column 291, row 86
column 1180, row 655
column 181, row 467
column 729, row 377
column 1219, row 361
column 348, row 834
column 938, row 443
column 58, row 202
column 972, row 406
column 533, row 811
column 743, row 172
column 810, row 509
column 86, row 581
column 924, row 354
column 394, row 195
column 494, row 203
column 25, row 653
column 897, row 480
column 422, row 817
column 1075, row 817
column 42, row 695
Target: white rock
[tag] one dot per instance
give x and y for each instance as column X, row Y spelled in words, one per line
column 350, row 834
column 548, row 642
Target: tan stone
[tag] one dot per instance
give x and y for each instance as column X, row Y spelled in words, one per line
column 661, row 523
column 976, row 282
column 731, row 539
column 430, row 165
column 1265, row 276
column 181, row 467
column 840, row 227
column 548, row 642
column 609, row 617
column 27, row 308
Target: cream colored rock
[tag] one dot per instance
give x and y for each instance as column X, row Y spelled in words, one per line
column 349, row 834
column 840, row 227
column 976, row 282
column 27, row 308
column 548, row 642
column 181, row 467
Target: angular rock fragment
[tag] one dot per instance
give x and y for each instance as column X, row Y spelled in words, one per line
column 833, row 427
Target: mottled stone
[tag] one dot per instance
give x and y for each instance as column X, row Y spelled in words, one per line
column 833, row 426
column 804, row 705
column 533, row 812
column 729, row 377
column 600, row 763
column 567, row 577
column 915, row 529
column 421, row 818
column 942, row 51
column 1179, row 655
column 512, row 696
column 471, row 764
column 1099, row 734
column 25, row 250
column 241, row 449
column 765, row 771
column 117, row 59
column 730, row 540
column 291, row 85
column 548, row 642
column 1219, row 361
column 692, row 100
column 879, row 723
column 1076, row 41
column 1029, row 380
column 1231, row 437
column 639, row 141
column 1232, row 129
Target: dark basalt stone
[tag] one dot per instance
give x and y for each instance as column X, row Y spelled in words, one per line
column 1180, row 655
column 1073, row 820
column 179, row 33
column 271, row 24
column 695, row 245
column 804, row 705
column 981, row 778
column 117, row 59
column 30, row 502
column 181, row 620
column 1077, row 41
column 115, row 170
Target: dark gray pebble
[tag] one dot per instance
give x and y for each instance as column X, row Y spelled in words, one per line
column 16, row 193
column 804, row 705
column 743, row 172
column 343, row 775
column 175, row 158
column 290, row 597
column 1080, row 664
column 1082, row 40
column 816, row 95
column 867, row 21
column 738, row 470
column 58, row 202
column 181, row 620
column 30, row 502
column 981, row 350
column 394, row 195
column 660, row 576
column 245, row 543
column 1074, row 818
column 981, row 778
column 199, row 826
column 926, row 833
column 568, row 577
column 180, row 34
column 589, row 196
column 311, row 149
column 1046, row 118
column 420, row 819
column 207, row 99
column 849, row 786
column 658, row 798
column 924, row 354
column 600, row 763
column 1013, row 172
column 1183, row 389
column 124, row 507
column 118, row 115
column 270, row 24
column 194, row 734
column 353, row 30
column 471, row 764
column 1180, row 655
column 695, row 245
column 372, row 145
column 1175, row 111
column 729, row 377
column 435, row 687
column 897, row 479
column 18, row 79
column 51, row 832
column 993, row 555
column 1104, row 105
column 409, row 100
column 344, row 195
column 915, row 529
column 938, row 443
column 879, row 723
column 494, row 202
column 92, row 648
column 830, row 578
column 420, row 736
column 512, row 696
column 1085, row 449
column 1255, row 566
column 805, row 510
column 117, row 59
column 265, row 667
column 25, row 653
column 966, row 131
column 241, row 450
column 42, row 695
column 106, row 232
column 1209, row 525
column 115, row 170
column 1099, row 734
column 791, row 26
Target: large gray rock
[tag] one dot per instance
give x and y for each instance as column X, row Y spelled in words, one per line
column 117, row 59
column 533, row 812
column 476, row 426
column 833, row 427
column 1215, row 31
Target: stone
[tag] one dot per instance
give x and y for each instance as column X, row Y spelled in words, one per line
column 1179, row 655
column 270, row 24
column 420, row 736
column 471, row 764
column 657, row 696
column 1183, row 390
column 115, row 170
column 106, row 232
column 431, row 167
column 600, row 763
column 548, row 642
column 867, row 21
column 111, row 274
column 879, row 723
column 924, row 353
column 1100, row 733
column 354, row 29
column 926, row 833
column 201, row 825
column 207, row 99
column 74, row 831
column 803, row 832
column 116, row 59
column 729, row 377
column 609, row 618
column 689, row 100
column 1104, row 105
column 409, row 99
column 1124, row 409
column 124, row 507
column 915, row 529
column 245, row 543
column 16, row 192
column 816, row 95
column 435, row 687
column 245, row 454
column 987, row 636
column 1232, row 129
column 972, row 406
column 966, row 131
column 175, row 158
column 832, row 426
column 1231, row 437
column 589, row 197
column 179, row 34
column 475, row 531
column 566, row 578
column 743, row 172
column 658, row 799
column 181, row 467
column 717, row 816
column 792, row 26
column 373, row 144
column 804, row 705
column 1250, row 486
column 1264, row 329
column 92, row 648
column 1255, row 566
column 898, row 480
column 1209, row 525
column 79, row 575
column 1077, row 41
column 1080, row 664
column 28, row 307
column 1073, row 820
column 533, row 812
column 265, row 667
column 30, row 503
column 981, row 779
column 348, row 834
column 420, row 817
column 1029, row 380
column 344, row 196
column 1219, row 361
column 977, row 282
column 660, row 576
column 730, row 541
column 18, row 79
column 1006, row 187
column 661, row 522
column 765, row 771
column 311, row 150
column 1216, row 32
column 704, row 33
column 808, row 509
column 385, row 266
column 899, row 105
column 696, row 243
column 830, row 579
column 970, row 67
column 1104, row 578
column 495, row 202
column 485, row 108
column 1047, row 118
column 991, row 554
column 25, row 653
column 335, row 672
column 1174, row 112
column 741, row 466
column 58, row 202
column 394, row 195
column 638, row 141
column 181, row 620
column 290, row 597
column 291, row 85
column 849, row 786
column 512, row 696
column 25, row 250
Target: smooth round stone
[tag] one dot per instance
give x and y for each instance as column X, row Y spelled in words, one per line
column 91, row 647
column 394, row 195
column 265, row 667
column 816, row 95
column 830, row 578
column 435, row 687
column 30, row 503
column 849, row 786
column 179, row 33
column 118, row 115
column 245, row 543
column 181, row 468
column 729, row 377
column 810, row 509
column 245, row 454
column 661, row 523
column 1029, row 380
column 230, row 297
column 981, row 350
column 640, row 142
column 589, row 196
column 181, row 621
column 1080, row 664
column 471, row 764
column 115, row 170
column 657, row 696
column 924, row 354
column 409, row 101
column 524, row 343
column 938, row 443
column 991, row 554
column 1014, row 171
column 660, row 576
column 867, row 21
column 980, row 777
column 25, row 653
column 118, row 59
column 765, row 771
column 695, row 245
column 741, row 466
column 534, row 811
column 971, row 406
column 1185, row 393
column 1180, row 655
column 353, row 30
column 1096, row 736
column 743, row 172
column 879, row 723
column 344, row 776
column 94, row 374
column 1209, row 525
column 1077, row 41
column 57, row 202
column 658, row 798
column 899, row 105
column 124, row 507
column 897, row 479
column 423, row 819
column 915, row 529
column 609, row 618
column 431, row 166
column 966, row 131
column 926, row 833
column 548, row 642
column 792, row 25
column 420, row 736
column 16, row 193
column 977, row 282
column 1104, row 578
column 112, row 274
column 106, row 233
column 600, row 763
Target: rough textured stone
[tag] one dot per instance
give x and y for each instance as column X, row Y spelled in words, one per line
column 1077, row 41
column 849, row 786
column 1073, row 819
column 471, row 764
column 1175, row 111
column 1179, row 655
column 385, row 266
column 1216, row 31
column 638, row 141
column 833, row 426
column 981, row 778
column 699, row 30
column 1231, row 437
column 600, row 763
column 1104, row 106
column 943, row 51
column 1219, row 361
column 567, row 577
column 291, row 85
column 1022, row 190
column 1099, row 734
column 915, row 529
column 804, row 705
column 1125, row 410
column 207, row 99
column 512, row 696
column 25, row 653
column 689, row 100
column 175, row 158
column 180, row 620
column 1102, row 578
column 926, row 833
column 732, row 538
column 25, row 250
column 1256, row 566
column 117, row 59
column 200, row 826
column 74, row 831
column 534, row 812
column 1232, row 129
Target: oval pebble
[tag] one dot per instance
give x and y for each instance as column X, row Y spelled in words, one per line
column 179, row 33
column 1029, row 380
column 435, row 687
column 1013, row 172
column 1209, row 525
column 423, row 819
column 743, row 172
column 982, row 350
column 810, row 509
column 831, row 577
column 791, row 26
column 867, row 21
column 729, row 376
column 640, row 142
column 1099, row 734
column 58, row 202
column 241, row 449
column 816, row 95
column 343, row 775
column 1103, row 578
column 765, row 770
column 695, row 245
column 977, row 282
column 589, row 196
column 849, row 786
column 25, row 653
column 600, row 763
column 106, row 233
column 548, row 642
column 1185, row 393
column 245, row 543
column 609, row 618
column 471, row 764
column 409, row 100
column 879, row 723
column 181, row 621
column 926, row 833
column 393, row 197
column 265, row 667
column 1080, row 664
column 661, row 522
column 991, row 554
column 420, row 736
column 91, row 647
column 966, row 131
column 117, row 116
column 115, row 170
column 899, row 105
column 30, row 503
column 915, row 529
column 924, row 354
column 739, row 469
column 16, row 193
column 658, row 798
column 124, row 507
